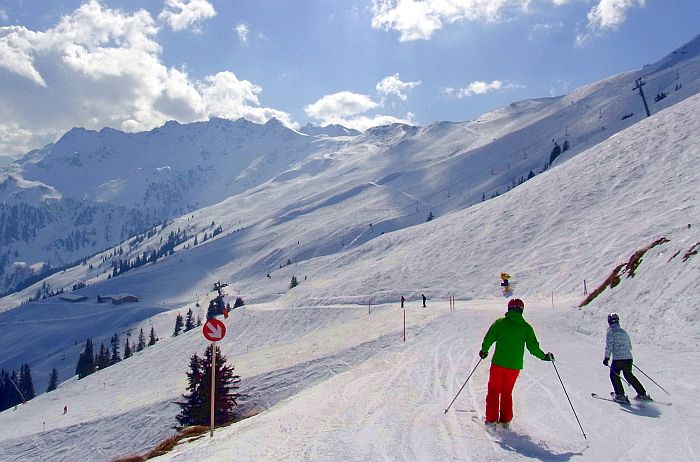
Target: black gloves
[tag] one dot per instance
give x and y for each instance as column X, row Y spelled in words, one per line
column 483, row 354
column 549, row 357
column 605, row 362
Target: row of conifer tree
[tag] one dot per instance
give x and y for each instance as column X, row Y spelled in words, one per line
column 89, row 362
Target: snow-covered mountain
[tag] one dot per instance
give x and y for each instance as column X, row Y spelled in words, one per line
column 325, row 379
column 92, row 190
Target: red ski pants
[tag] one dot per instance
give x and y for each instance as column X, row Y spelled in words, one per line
column 501, row 383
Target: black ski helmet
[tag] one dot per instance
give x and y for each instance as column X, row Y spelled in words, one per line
column 613, row 318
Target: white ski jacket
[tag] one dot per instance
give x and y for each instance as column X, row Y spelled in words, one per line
column 617, row 343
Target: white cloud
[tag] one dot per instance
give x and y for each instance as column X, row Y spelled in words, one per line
column 16, row 43
column 345, row 108
column 478, row 88
column 341, row 104
column 419, row 19
column 607, row 14
column 539, row 31
column 3, row 15
column 392, row 85
column 183, row 14
column 242, row 30
column 100, row 67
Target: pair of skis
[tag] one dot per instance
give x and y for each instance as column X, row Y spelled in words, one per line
column 628, row 403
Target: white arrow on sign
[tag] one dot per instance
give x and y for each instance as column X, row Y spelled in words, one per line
column 214, row 330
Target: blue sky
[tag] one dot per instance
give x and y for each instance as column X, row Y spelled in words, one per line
column 132, row 65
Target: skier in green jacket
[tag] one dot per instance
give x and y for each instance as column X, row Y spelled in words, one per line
column 511, row 334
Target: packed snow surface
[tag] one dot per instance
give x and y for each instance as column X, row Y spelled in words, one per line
column 329, row 380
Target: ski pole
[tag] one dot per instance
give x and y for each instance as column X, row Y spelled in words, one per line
column 619, row 375
column 567, row 397
column 465, row 382
column 669, row 394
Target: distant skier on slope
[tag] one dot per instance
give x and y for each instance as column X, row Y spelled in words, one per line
column 511, row 334
column 505, row 284
column 619, row 346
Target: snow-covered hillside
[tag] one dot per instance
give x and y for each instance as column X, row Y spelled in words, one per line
column 335, row 382
column 114, row 184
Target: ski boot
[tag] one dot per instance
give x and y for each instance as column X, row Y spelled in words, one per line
column 505, row 425
column 643, row 398
column 619, row 398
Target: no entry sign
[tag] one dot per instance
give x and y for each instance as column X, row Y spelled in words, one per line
column 214, row 330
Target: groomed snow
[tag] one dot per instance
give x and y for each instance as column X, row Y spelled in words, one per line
column 336, row 383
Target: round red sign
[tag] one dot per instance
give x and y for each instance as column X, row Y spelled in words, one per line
column 214, row 330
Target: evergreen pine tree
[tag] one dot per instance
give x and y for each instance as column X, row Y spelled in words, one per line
column 141, row 342
column 192, row 410
column 178, row 325
column 293, row 282
column 152, row 339
column 26, row 385
column 86, row 361
column 189, row 320
column 430, row 216
column 211, row 310
column 556, row 150
column 115, row 350
column 53, row 380
column 102, row 358
column 196, row 408
column 127, row 349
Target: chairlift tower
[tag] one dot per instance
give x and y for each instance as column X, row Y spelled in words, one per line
column 639, row 84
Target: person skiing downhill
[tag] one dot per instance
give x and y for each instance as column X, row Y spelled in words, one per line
column 619, row 346
column 511, row 334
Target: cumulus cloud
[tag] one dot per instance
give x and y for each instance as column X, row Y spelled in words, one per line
column 607, row 14
column 346, row 108
column 392, row 85
column 100, row 67
column 419, row 19
column 242, row 30
column 478, row 88
column 182, row 14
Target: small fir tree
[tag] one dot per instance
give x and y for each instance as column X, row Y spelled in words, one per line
column 189, row 320
column 102, row 358
column 152, row 339
column 430, row 216
column 53, row 380
column 115, row 358
column 141, row 341
column 86, row 361
column 556, row 150
column 293, row 282
column 26, row 385
column 127, row 349
column 195, row 410
column 178, row 325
